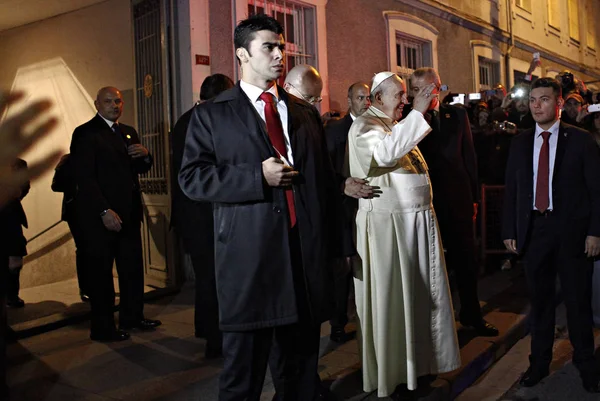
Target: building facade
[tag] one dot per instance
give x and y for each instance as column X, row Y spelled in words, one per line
column 159, row 51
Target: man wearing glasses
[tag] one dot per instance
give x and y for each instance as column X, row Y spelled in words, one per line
column 304, row 82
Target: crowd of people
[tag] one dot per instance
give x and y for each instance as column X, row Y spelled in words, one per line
column 283, row 212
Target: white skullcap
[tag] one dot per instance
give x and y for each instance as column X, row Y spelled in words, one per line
column 379, row 78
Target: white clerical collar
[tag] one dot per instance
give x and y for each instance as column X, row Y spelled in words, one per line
column 553, row 130
column 253, row 92
column 110, row 123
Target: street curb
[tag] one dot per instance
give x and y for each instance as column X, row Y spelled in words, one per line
column 447, row 387
column 470, row 373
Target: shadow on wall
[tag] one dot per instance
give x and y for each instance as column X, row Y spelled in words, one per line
column 73, row 106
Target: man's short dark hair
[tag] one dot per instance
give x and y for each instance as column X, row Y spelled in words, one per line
column 244, row 31
column 213, row 85
column 547, row 82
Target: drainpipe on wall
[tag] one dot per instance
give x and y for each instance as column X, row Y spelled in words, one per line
column 511, row 43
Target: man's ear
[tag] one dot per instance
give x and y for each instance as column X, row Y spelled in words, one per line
column 242, row 54
column 560, row 102
column 286, row 86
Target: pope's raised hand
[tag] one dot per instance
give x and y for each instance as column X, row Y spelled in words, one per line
column 424, row 98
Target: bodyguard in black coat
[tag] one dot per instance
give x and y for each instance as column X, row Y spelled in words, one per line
column 336, row 134
column 106, row 158
column 552, row 217
column 452, row 163
column 193, row 222
column 273, row 277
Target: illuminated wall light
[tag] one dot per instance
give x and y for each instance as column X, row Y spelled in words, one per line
column 73, row 106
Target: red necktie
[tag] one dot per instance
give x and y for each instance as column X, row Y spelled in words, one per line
column 542, row 197
column 275, row 131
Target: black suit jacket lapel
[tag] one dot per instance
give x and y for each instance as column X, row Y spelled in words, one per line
column 290, row 104
column 249, row 117
column 528, row 160
column 110, row 136
column 561, row 146
column 347, row 123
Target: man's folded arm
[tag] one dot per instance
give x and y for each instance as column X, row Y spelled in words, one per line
column 202, row 179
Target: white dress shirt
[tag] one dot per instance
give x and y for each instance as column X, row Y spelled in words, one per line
column 537, row 147
column 253, row 93
column 110, row 123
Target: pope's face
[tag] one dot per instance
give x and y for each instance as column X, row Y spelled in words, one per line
column 393, row 98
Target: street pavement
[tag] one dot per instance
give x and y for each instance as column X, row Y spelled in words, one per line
column 168, row 364
column 501, row 382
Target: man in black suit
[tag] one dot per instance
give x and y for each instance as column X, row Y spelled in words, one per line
column 336, row 134
column 107, row 158
column 552, row 217
column 64, row 181
column 450, row 156
column 193, row 222
column 259, row 155
column 12, row 222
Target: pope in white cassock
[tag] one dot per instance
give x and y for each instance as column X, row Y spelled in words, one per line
column 402, row 295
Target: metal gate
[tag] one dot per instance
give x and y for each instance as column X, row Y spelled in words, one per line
column 150, row 29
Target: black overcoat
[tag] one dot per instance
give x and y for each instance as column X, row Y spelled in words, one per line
column 225, row 146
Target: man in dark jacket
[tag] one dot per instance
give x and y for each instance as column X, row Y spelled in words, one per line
column 452, row 163
column 107, row 158
column 259, row 155
column 193, row 222
column 64, row 181
column 336, row 134
column 552, row 217
column 12, row 222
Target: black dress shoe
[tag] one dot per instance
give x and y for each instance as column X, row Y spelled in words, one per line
column 15, row 303
column 591, row 384
column 143, row 325
column 112, row 336
column 339, row 336
column 482, row 328
column 84, row 296
column 531, row 377
column 402, row 393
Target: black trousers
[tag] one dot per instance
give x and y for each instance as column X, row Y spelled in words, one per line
column 206, row 306
column 342, row 284
column 291, row 351
column 458, row 238
column 124, row 247
column 549, row 252
column 79, row 255
column 13, row 284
